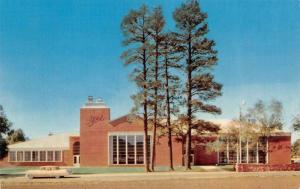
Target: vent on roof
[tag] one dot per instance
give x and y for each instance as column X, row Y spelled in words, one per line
column 90, row 99
column 97, row 102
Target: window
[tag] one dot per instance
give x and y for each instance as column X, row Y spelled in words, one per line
column 76, row 148
column 50, row 156
column 139, row 149
column 27, row 156
column 130, row 150
column 122, row 149
column 20, row 156
column 57, row 155
column 127, row 149
column 262, row 150
column 42, row 155
column 12, row 156
column 35, row 156
column 252, row 155
column 115, row 148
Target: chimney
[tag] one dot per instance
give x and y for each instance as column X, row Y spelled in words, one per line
column 90, row 99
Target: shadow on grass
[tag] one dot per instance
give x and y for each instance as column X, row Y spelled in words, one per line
column 11, row 175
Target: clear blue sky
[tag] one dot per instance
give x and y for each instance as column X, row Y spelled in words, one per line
column 54, row 53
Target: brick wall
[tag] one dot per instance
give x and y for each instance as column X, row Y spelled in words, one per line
column 162, row 152
column 202, row 154
column 266, row 167
column 279, row 150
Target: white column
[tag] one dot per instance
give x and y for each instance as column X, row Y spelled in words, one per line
column 240, row 150
column 227, row 151
column 118, row 149
column 267, row 155
column 237, row 153
column 257, row 157
column 126, row 148
column 135, row 149
column 247, row 151
column 61, row 155
column 218, row 152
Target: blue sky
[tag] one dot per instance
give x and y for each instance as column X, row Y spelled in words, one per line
column 54, row 53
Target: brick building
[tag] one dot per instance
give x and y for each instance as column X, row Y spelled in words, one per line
column 104, row 142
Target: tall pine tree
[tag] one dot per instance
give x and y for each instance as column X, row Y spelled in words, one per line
column 199, row 58
column 135, row 27
column 157, row 23
column 171, row 87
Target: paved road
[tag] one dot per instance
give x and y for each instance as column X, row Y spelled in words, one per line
column 182, row 180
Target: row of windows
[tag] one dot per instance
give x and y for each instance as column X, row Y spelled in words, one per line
column 127, row 149
column 35, row 156
column 229, row 153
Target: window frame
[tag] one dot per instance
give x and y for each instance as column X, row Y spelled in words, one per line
column 111, row 147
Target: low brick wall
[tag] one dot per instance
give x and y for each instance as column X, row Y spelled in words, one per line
column 266, row 167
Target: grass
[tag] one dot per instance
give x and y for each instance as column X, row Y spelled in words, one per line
column 14, row 171
column 19, row 171
column 103, row 170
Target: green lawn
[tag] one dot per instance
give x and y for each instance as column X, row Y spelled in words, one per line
column 19, row 171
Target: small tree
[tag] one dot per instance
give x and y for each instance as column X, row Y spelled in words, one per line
column 14, row 136
column 296, row 149
column 296, row 123
column 262, row 120
column 296, row 128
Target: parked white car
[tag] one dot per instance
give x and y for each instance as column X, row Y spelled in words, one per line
column 48, row 171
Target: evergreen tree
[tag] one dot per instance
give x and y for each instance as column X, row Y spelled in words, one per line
column 171, row 87
column 199, row 58
column 135, row 27
column 157, row 23
column 5, row 125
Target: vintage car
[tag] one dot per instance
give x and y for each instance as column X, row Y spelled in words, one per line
column 48, row 171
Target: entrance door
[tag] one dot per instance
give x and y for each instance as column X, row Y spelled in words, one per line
column 76, row 160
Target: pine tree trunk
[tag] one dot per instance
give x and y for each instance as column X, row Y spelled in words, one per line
column 145, row 106
column 155, row 108
column 189, row 107
column 169, row 116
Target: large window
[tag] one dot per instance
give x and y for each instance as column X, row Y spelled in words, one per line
column 130, row 150
column 139, row 149
column 76, row 148
column 122, row 150
column 127, row 149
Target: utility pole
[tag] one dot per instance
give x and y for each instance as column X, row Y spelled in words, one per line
column 240, row 130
